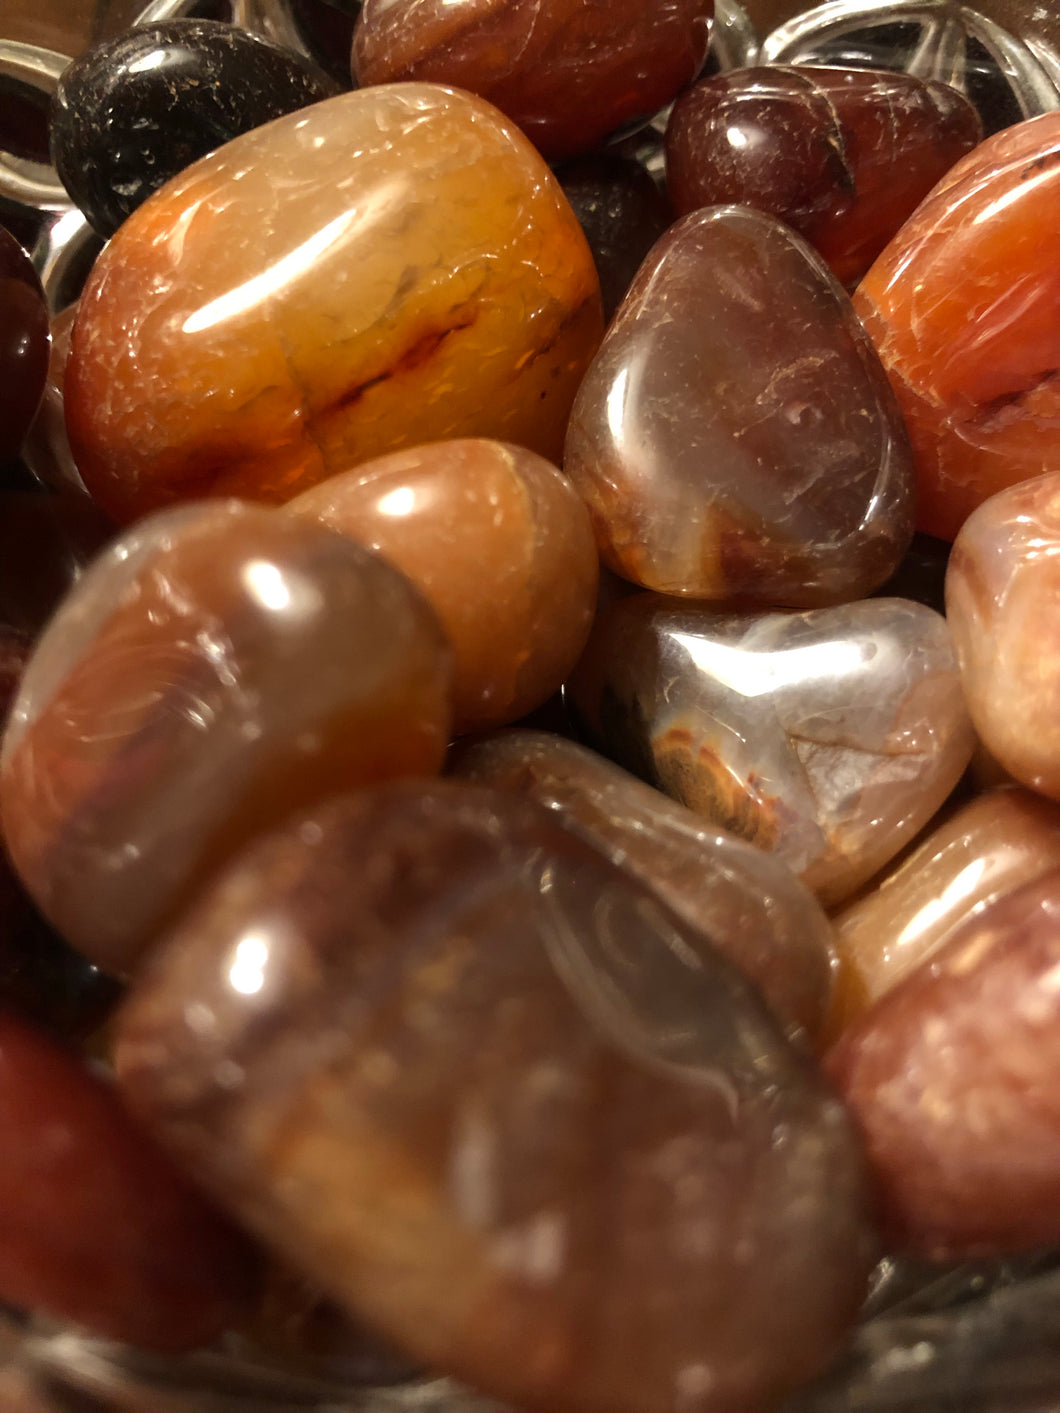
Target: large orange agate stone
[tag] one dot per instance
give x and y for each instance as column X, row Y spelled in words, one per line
column 389, row 267
column 962, row 306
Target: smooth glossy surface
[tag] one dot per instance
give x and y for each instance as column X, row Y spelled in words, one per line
column 422, row 276
column 568, row 72
column 489, row 1097
column 500, row 546
column 95, row 1226
column 952, row 1077
column 23, row 345
column 46, row 449
column 829, row 738
column 735, row 437
column 959, row 307
column 844, row 156
column 135, row 111
column 739, row 899
column 990, row 847
column 219, row 667
column 1003, row 604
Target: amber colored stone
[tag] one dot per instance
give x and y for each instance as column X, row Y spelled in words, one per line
column 501, row 547
column 218, row 667
column 735, row 437
column 95, row 1226
column 829, row 738
column 990, row 847
column 743, row 901
column 422, row 277
column 569, row 73
column 843, row 155
column 23, row 345
column 493, row 1098
column 952, row 1078
column 1003, row 604
column 960, row 307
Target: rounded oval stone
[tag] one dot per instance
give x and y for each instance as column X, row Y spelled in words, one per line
column 386, row 268
column 843, row 155
column 135, row 110
column 1003, row 605
column 953, row 1079
column 743, row 901
column 24, row 339
column 218, row 667
column 735, row 436
column 990, row 847
column 95, row 1224
column 959, row 305
column 500, row 545
column 829, row 738
column 569, row 72
column 492, row 1098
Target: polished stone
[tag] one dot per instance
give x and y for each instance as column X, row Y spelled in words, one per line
column 500, row 546
column 95, row 1225
column 829, row 738
column 386, row 268
column 218, row 667
column 491, row 1096
column 736, row 437
column 136, row 110
column 843, row 155
column 988, row 848
column 1003, row 604
column 736, row 897
column 960, row 307
column 952, row 1078
column 567, row 72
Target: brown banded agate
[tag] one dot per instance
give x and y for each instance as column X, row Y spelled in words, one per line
column 746, row 903
column 489, row 1094
column 952, row 1078
column 218, row 667
column 499, row 544
column 386, row 268
column 569, row 72
column 843, row 155
column 735, row 436
column 95, row 1224
column 829, row 738
column 960, row 306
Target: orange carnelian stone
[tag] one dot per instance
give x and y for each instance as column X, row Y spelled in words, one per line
column 499, row 543
column 962, row 307
column 387, row 268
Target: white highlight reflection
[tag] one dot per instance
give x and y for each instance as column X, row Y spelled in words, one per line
column 398, row 502
column 267, row 584
column 754, row 674
column 247, row 972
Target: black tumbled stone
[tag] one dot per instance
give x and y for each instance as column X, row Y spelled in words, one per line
column 134, row 111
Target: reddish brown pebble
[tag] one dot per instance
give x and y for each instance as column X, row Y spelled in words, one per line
column 567, row 71
column 739, row 899
column 483, row 1087
column 95, row 1226
column 843, row 155
column 954, row 1077
column 501, row 547
column 218, row 667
